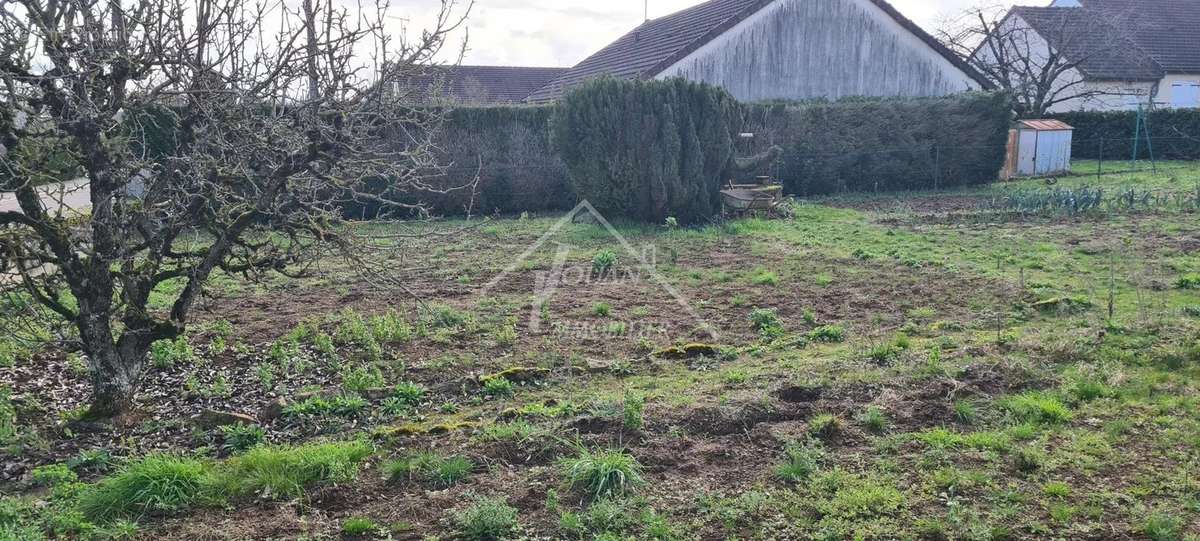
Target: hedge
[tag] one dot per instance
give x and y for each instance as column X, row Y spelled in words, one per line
column 647, row 150
column 508, row 147
column 869, row 145
column 1175, row 134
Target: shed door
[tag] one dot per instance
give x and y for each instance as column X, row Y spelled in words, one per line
column 1027, row 154
column 1052, row 152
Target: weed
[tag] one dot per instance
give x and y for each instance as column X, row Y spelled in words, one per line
column 265, row 372
column 287, row 472
column 516, row 431
column 763, row 277
column 361, row 379
column 601, row 309
column 409, row 393
column 825, row 425
column 634, row 406
column 603, row 261
column 357, row 526
column 498, row 387
column 168, row 353
column 154, row 484
column 53, row 475
column 1192, row 311
column 803, row 460
column 1036, row 407
column 735, row 377
column 828, row 333
column 1190, row 281
column 617, row 328
column 1056, row 489
column 488, row 519
column 764, row 318
column 965, row 412
column 429, row 467
column 874, row 419
column 241, row 437
column 603, row 473
column 1163, row 527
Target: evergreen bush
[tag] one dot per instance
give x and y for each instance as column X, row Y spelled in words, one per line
column 870, row 145
column 647, row 150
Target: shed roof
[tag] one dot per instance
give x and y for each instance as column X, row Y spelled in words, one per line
column 1046, row 125
column 658, row 44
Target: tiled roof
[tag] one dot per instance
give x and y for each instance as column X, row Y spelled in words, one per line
column 1167, row 30
column 1092, row 39
column 480, row 85
column 657, row 44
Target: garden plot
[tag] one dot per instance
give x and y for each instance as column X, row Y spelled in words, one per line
column 846, row 372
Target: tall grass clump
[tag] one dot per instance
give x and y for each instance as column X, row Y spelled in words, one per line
column 287, row 472
column 603, row 473
column 156, row 484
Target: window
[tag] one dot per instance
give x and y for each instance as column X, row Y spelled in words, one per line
column 1185, row 95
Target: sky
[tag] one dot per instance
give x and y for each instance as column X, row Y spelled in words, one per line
column 563, row 32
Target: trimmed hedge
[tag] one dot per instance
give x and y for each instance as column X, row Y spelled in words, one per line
column 1175, row 134
column 507, row 147
column 647, row 150
column 868, row 145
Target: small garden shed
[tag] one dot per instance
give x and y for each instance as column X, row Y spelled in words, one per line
column 1038, row 148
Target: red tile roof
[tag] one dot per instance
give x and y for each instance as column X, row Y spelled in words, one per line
column 657, row 44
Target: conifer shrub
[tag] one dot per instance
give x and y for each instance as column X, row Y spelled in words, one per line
column 647, row 150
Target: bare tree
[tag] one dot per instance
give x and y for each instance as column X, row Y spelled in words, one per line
column 215, row 136
column 1043, row 64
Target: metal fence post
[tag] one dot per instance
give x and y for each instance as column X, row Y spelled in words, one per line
column 1100, row 161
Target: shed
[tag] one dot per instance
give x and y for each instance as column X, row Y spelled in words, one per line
column 1038, row 148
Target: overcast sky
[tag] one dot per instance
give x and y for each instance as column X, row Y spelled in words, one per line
column 563, row 32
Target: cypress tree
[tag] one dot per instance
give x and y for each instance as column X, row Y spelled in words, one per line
column 647, row 150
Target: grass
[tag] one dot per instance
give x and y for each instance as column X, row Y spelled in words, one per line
column 155, row 484
column 801, row 463
column 888, row 358
column 358, row 526
column 429, row 467
column 1036, row 407
column 602, row 473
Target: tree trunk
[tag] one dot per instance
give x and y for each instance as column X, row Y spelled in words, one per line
column 116, row 370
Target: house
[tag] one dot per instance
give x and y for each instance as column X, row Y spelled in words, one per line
column 474, row 85
column 1123, row 53
column 782, row 50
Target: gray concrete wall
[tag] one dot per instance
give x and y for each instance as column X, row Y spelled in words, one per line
column 799, row 49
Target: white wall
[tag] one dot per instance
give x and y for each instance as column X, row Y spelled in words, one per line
column 799, row 49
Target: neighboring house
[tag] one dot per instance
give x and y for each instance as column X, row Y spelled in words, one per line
column 1123, row 53
column 782, row 49
column 475, row 85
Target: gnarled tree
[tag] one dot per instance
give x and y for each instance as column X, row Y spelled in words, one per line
column 213, row 136
column 1046, row 57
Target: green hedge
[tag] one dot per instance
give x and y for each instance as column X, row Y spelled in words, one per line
column 647, row 150
column 507, row 147
column 1174, row 134
column 868, row 145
